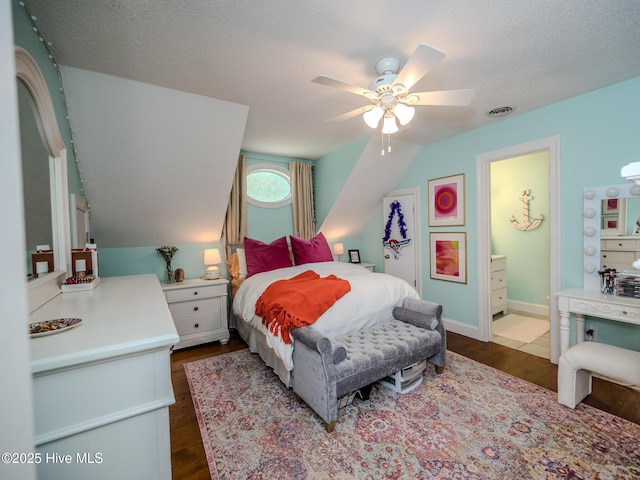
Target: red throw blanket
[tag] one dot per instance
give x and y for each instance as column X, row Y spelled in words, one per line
column 298, row 301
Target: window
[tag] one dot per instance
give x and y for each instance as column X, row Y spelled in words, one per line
column 268, row 186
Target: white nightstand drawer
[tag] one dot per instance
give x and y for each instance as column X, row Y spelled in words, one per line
column 202, row 306
column 179, row 294
column 198, row 324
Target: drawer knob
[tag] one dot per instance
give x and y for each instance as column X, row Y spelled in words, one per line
column 195, row 293
column 624, row 312
column 196, row 325
column 195, row 309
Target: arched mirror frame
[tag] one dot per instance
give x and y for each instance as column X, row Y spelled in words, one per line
column 41, row 290
column 592, row 231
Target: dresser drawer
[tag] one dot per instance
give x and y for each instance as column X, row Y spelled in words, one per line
column 498, row 297
column 186, row 326
column 202, row 306
column 498, row 264
column 626, row 244
column 179, row 294
column 612, row 256
column 498, row 279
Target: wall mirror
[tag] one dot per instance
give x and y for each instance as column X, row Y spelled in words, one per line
column 32, row 88
column 606, row 218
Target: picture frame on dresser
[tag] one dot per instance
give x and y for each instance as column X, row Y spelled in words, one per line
column 354, row 256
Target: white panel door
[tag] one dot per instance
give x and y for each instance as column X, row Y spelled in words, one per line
column 399, row 239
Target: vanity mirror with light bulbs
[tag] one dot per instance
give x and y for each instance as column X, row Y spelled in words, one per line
column 51, row 210
column 611, row 240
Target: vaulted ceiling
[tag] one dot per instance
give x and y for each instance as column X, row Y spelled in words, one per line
column 265, row 54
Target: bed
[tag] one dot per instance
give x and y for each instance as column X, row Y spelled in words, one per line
column 370, row 300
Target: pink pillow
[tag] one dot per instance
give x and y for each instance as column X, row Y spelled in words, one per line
column 262, row 257
column 310, row 251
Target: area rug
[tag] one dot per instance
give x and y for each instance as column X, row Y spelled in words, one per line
column 471, row 422
column 519, row 328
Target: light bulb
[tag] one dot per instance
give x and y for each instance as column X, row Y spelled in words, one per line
column 404, row 113
column 373, row 116
column 389, row 126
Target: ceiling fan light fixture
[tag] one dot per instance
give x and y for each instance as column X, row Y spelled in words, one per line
column 404, row 113
column 373, row 116
column 389, row 125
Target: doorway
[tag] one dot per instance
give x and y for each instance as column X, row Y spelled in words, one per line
column 519, row 195
column 483, row 208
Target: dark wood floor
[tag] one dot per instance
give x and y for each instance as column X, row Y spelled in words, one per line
column 187, row 452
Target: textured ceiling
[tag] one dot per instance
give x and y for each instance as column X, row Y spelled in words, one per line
column 264, row 54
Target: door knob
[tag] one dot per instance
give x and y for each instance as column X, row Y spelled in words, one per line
column 387, row 256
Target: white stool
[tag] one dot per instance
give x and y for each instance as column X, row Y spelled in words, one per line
column 578, row 363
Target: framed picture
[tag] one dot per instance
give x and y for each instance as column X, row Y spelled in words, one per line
column 446, row 201
column 354, row 256
column 449, row 256
column 610, row 206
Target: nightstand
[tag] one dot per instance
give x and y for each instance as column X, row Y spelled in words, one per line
column 199, row 310
column 498, row 284
column 368, row 266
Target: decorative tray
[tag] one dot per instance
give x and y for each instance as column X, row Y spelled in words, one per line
column 49, row 327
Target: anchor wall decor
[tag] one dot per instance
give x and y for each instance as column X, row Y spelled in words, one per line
column 528, row 223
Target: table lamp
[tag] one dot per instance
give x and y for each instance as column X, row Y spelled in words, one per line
column 338, row 249
column 212, row 258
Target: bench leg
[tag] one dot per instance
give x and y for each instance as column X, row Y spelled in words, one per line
column 330, row 426
column 439, row 370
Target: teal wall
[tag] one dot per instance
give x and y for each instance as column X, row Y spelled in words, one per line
column 598, row 135
column 527, row 252
column 27, row 38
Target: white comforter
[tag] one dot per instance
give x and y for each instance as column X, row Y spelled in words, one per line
column 370, row 301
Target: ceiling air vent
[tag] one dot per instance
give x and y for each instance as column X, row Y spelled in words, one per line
column 500, row 112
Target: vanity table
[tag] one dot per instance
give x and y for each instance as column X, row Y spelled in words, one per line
column 102, row 389
column 583, row 302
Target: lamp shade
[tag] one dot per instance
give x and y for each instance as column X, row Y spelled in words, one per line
column 212, row 256
column 389, row 126
column 338, row 248
column 404, row 113
column 373, row 116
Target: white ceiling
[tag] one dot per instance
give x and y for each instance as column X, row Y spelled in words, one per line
column 264, row 54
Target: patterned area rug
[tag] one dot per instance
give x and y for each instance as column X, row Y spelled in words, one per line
column 471, row 422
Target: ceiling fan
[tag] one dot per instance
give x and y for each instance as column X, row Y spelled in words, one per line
column 389, row 93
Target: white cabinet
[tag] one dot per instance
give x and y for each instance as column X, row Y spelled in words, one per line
column 102, row 389
column 199, row 310
column 619, row 252
column 498, row 284
column 368, row 266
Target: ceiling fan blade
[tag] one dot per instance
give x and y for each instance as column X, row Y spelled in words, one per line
column 450, row 98
column 347, row 87
column 351, row 114
column 419, row 64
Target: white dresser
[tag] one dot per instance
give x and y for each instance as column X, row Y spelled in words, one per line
column 619, row 252
column 102, row 389
column 498, row 284
column 199, row 310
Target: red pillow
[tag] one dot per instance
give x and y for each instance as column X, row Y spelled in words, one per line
column 263, row 257
column 310, row 251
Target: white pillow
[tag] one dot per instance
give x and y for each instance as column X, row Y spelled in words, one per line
column 242, row 262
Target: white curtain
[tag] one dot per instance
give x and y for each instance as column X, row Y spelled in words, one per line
column 235, row 223
column 302, row 199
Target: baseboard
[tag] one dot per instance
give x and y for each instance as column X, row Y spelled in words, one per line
column 528, row 307
column 465, row 329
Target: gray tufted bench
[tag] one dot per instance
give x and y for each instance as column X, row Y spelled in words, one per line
column 326, row 369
